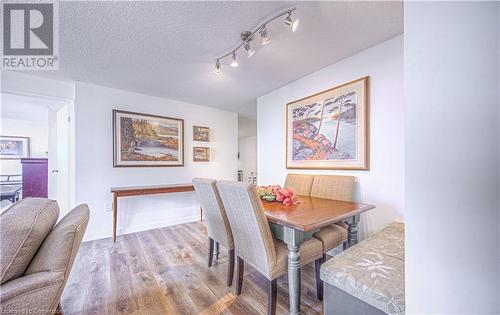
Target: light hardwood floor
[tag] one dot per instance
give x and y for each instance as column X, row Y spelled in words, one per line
column 164, row 271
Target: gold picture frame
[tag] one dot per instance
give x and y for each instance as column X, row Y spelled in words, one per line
column 201, row 154
column 201, row 133
column 141, row 140
column 330, row 129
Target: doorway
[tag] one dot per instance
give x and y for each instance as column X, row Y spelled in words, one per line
column 45, row 123
column 247, row 150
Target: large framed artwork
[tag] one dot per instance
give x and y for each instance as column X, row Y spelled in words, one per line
column 147, row 140
column 330, row 129
column 13, row 147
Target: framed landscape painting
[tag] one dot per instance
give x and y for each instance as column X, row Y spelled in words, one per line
column 147, row 140
column 13, row 147
column 201, row 133
column 330, row 130
column 201, row 154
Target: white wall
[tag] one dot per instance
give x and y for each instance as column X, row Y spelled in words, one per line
column 246, row 127
column 383, row 184
column 95, row 174
column 37, row 131
column 247, row 147
column 452, row 157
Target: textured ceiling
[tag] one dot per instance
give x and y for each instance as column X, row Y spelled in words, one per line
column 166, row 48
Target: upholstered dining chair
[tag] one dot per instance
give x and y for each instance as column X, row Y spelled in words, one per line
column 219, row 231
column 254, row 242
column 300, row 183
column 338, row 188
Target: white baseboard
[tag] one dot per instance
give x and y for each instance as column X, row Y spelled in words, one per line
column 142, row 227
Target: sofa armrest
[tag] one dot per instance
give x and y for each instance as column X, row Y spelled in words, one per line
column 35, row 292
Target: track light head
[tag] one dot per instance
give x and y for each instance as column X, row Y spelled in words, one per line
column 247, row 38
column 250, row 51
column 291, row 23
column 218, row 69
column 264, row 34
column 234, row 62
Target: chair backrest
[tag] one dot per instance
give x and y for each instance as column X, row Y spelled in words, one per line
column 253, row 240
column 300, row 183
column 333, row 187
column 218, row 227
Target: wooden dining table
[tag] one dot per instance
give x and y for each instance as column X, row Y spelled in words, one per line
column 297, row 223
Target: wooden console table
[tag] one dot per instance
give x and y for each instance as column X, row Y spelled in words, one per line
column 145, row 190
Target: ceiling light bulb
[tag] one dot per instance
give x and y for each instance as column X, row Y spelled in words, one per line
column 217, row 69
column 293, row 24
column 234, row 62
column 250, row 51
column 265, row 35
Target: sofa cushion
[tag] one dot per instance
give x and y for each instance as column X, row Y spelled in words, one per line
column 24, row 226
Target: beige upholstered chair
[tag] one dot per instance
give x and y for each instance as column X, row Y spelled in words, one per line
column 333, row 187
column 300, row 183
column 36, row 257
column 338, row 188
column 254, row 242
column 218, row 227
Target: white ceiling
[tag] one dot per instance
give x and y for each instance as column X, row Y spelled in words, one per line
column 167, row 48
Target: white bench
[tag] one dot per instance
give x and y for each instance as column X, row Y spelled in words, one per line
column 367, row 278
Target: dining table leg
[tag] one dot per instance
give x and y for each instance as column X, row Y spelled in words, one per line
column 293, row 238
column 352, row 232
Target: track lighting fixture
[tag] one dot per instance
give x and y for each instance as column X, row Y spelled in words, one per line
column 217, row 69
column 264, row 35
column 293, row 24
column 234, row 62
column 248, row 36
column 250, row 51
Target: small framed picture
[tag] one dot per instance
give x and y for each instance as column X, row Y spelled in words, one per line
column 201, row 154
column 201, row 133
column 12, row 147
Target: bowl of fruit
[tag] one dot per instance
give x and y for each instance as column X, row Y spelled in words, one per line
column 274, row 193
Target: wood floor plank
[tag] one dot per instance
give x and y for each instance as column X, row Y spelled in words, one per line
column 75, row 291
column 144, row 282
column 164, row 271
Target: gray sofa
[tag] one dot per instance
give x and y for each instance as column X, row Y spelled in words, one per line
column 37, row 254
column 369, row 278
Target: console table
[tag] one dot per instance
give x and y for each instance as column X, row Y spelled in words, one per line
column 145, row 190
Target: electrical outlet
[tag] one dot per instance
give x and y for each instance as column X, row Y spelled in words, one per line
column 109, row 206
